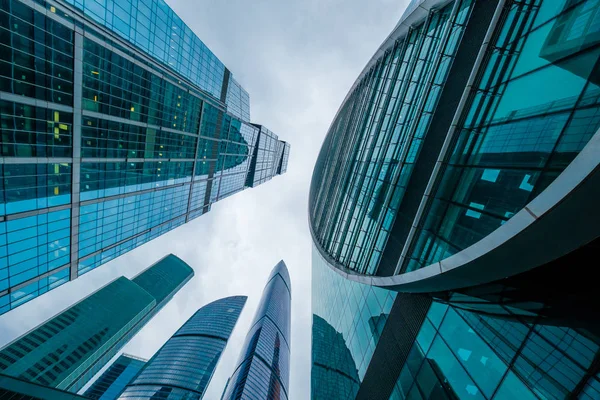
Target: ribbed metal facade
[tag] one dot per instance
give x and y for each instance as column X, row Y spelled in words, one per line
column 185, row 364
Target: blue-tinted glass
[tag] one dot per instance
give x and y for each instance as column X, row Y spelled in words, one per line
column 67, row 350
column 186, row 362
column 264, row 362
column 472, row 352
column 164, row 132
column 450, row 366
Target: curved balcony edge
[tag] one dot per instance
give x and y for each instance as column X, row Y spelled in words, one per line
column 566, row 208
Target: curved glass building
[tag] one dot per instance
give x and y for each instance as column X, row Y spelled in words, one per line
column 118, row 125
column 185, row 364
column 263, row 370
column 461, row 173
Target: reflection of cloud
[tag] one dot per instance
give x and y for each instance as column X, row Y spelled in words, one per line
column 297, row 60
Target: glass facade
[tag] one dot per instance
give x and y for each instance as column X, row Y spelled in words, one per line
column 372, row 145
column 438, row 144
column 514, row 141
column 263, row 370
column 285, row 159
column 110, row 138
column 185, row 364
column 114, row 380
column 155, row 29
column 462, row 354
column 332, row 363
column 66, row 351
column 347, row 320
column 269, row 157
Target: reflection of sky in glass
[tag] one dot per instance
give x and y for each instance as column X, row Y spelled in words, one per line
column 153, row 26
column 333, row 373
column 478, row 355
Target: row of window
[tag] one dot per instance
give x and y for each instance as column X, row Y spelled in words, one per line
column 214, row 319
column 116, row 86
column 255, row 380
column 109, row 222
column 106, row 255
column 382, row 126
column 100, row 180
column 36, row 54
column 515, row 141
column 109, row 139
column 475, row 356
column 156, row 29
column 186, row 362
column 29, row 131
column 272, row 347
column 34, row 289
column 26, row 187
column 32, row 246
column 112, row 381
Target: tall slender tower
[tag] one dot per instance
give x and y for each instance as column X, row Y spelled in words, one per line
column 184, row 366
column 263, row 368
column 71, row 347
column 118, row 125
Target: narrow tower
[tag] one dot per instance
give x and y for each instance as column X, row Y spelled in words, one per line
column 263, row 368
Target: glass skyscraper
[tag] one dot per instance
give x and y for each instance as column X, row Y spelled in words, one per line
column 453, row 209
column 66, row 351
column 113, row 381
column 117, row 125
column 263, row 370
column 185, row 364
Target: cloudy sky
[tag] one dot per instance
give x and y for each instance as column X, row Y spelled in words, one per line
column 297, row 59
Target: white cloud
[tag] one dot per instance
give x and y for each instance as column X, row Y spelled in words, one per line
column 297, row 60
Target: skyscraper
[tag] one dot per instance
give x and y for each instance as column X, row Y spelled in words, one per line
column 185, row 364
column 71, row 347
column 118, row 125
column 460, row 176
column 264, row 365
column 113, row 381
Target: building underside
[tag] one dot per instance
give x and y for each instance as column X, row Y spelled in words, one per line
column 461, row 173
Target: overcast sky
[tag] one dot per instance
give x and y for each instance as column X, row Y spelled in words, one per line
column 297, row 59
